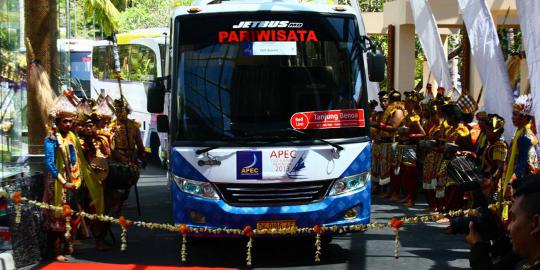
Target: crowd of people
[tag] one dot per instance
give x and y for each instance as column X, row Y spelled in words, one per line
column 428, row 142
column 415, row 139
column 93, row 154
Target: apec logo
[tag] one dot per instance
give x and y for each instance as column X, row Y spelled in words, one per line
column 249, row 165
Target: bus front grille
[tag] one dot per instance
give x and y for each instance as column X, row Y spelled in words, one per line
column 274, row 194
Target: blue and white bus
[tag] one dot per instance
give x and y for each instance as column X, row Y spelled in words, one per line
column 267, row 115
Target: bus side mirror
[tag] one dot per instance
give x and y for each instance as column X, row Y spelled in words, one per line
column 162, row 123
column 376, row 66
column 156, row 97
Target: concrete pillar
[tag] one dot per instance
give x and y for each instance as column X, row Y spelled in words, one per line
column 404, row 58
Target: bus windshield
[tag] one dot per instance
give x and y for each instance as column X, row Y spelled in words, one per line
column 242, row 74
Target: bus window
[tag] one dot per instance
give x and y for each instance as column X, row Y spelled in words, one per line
column 80, row 68
column 137, row 62
column 102, row 62
column 142, row 66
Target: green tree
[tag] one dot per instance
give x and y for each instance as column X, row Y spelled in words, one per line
column 371, row 5
column 143, row 14
column 104, row 13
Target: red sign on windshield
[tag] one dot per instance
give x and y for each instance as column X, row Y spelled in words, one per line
column 328, row 119
column 235, row 36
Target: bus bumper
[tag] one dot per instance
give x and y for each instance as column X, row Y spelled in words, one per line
column 214, row 214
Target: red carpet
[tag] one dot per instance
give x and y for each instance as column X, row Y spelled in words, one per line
column 105, row 266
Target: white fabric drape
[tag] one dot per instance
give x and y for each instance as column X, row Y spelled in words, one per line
column 487, row 54
column 529, row 20
column 430, row 39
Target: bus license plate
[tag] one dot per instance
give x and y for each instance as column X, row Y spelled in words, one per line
column 276, row 224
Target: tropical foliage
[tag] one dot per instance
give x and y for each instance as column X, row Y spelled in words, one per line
column 103, row 13
column 145, row 14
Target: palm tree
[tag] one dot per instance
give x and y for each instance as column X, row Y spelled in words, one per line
column 41, row 35
column 41, row 30
column 105, row 13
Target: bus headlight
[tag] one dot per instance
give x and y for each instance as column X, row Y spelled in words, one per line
column 349, row 183
column 201, row 189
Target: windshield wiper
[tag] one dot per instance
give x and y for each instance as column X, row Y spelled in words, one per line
column 337, row 148
column 204, row 150
column 210, row 148
column 257, row 135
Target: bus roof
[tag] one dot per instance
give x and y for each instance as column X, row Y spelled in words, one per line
column 127, row 38
column 218, row 6
column 75, row 45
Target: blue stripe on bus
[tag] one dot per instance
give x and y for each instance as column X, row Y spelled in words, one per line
column 362, row 163
column 181, row 167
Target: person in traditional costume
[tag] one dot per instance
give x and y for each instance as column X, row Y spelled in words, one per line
column 523, row 159
column 373, row 116
column 376, row 153
column 105, row 113
column 373, row 109
column 494, row 155
column 455, row 133
column 127, row 143
column 406, row 151
column 67, row 171
column 96, row 149
column 481, row 141
column 433, row 157
column 127, row 150
column 389, row 123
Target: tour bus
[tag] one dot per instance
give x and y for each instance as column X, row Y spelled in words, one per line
column 75, row 65
column 142, row 59
column 267, row 114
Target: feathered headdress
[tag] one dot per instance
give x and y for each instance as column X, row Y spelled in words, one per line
column 63, row 106
column 523, row 105
column 86, row 107
column 104, row 109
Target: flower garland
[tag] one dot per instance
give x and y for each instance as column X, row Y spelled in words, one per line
column 249, row 233
column 124, row 224
column 17, row 200
column 395, row 223
column 318, row 230
column 183, row 228
column 67, row 213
